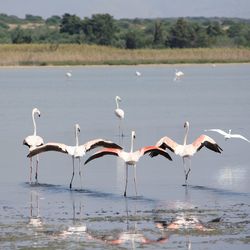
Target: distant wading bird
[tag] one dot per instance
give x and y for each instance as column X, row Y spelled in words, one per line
column 228, row 135
column 76, row 151
column 130, row 158
column 187, row 150
column 68, row 74
column 137, row 73
column 33, row 141
column 178, row 74
column 119, row 113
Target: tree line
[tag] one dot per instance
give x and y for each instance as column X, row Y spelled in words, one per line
column 103, row 29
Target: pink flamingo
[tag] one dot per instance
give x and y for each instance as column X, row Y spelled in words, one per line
column 187, row 150
column 130, row 158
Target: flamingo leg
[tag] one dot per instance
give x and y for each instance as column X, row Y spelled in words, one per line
column 135, row 179
column 126, row 183
column 185, row 171
column 80, row 173
column 121, row 128
column 189, row 169
column 30, row 179
column 37, row 162
column 73, row 173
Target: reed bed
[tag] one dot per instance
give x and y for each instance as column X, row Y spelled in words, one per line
column 73, row 54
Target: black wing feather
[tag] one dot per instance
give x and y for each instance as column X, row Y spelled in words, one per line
column 98, row 155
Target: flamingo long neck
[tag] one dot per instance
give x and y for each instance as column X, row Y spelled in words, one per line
column 76, row 136
column 117, row 103
column 34, row 122
column 132, row 143
column 185, row 137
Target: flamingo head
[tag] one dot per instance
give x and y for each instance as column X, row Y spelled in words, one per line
column 186, row 124
column 118, row 98
column 133, row 135
column 77, row 127
column 36, row 111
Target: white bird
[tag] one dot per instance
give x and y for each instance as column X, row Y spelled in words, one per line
column 76, row 151
column 137, row 73
column 187, row 150
column 178, row 74
column 228, row 135
column 33, row 141
column 68, row 74
column 119, row 113
column 130, row 158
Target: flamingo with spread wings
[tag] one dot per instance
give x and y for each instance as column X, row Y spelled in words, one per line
column 76, row 151
column 187, row 150
column 130, row 158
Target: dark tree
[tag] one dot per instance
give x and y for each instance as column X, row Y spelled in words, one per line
column 21, row 36
column 214, row 29
column 130, row 40
column 158, row 33
column 180, row 35
column 100, row 29
column 70, row 24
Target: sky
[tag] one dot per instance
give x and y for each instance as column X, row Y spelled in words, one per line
column 128, row 8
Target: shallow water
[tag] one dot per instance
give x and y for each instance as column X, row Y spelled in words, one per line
column 50, row 216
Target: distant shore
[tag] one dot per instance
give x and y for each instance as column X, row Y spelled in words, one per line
column 78, row 55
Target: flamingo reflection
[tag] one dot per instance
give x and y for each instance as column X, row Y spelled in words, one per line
column 35, row 219
column 132, row 236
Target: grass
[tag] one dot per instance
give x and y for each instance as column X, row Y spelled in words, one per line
column 73, row 54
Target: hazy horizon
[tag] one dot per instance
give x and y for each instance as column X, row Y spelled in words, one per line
column 129, row 8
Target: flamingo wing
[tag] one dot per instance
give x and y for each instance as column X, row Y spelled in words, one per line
column 166, row 142
column 153, row 150
column 52, row 146
column 218, row 131
column 100, row 143
column 105, row 151
column 208, row 142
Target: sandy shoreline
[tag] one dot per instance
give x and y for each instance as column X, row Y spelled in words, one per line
column 120, row 65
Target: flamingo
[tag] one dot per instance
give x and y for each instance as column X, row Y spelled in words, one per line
column 178, row 74
column 187, row 150
column 33, row 141
column 76, row 151
column 119, row 113
column 130, row 158
column 228, row 135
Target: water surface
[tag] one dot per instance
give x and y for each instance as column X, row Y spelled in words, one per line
column 49, row 215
